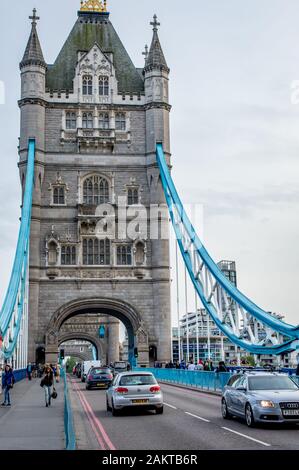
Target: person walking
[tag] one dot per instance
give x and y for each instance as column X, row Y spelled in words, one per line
column 8, row 383
column 29, row 371
column 221, row 367
column 47, row 383
column 57, row 375
column 191, row 366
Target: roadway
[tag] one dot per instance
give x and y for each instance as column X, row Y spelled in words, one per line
column 191, row 421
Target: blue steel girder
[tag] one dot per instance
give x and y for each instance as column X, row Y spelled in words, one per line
column 15, row 300
column 232, row 312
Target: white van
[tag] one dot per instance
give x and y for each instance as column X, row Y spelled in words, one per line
column 86, row 366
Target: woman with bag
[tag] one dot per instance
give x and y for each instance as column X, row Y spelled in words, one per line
column 47, row 384
column 8, row 383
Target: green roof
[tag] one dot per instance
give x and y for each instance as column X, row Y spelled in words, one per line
column 89, row 29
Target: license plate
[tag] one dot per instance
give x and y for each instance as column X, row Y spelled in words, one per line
column 291, row 412
column 101, row 385
column 140, row 402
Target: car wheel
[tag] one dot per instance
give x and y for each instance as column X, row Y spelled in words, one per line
column 159, row 411
column 107, row 405
column 114, row 411
column 225, row 413
column 249, row 416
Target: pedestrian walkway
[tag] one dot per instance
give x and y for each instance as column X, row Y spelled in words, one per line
column 28, row 424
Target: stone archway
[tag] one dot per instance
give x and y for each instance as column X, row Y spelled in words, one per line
column 96, row 342
column 137, row 335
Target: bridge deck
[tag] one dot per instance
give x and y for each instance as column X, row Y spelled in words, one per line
column 28, row 424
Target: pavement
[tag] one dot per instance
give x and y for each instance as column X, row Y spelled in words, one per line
column 28, row 424
column 191, row 421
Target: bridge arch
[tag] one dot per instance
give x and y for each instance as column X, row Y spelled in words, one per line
column 96, row 342
column 105, row 306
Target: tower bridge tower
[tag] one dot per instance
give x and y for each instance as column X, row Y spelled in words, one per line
column 96, row 119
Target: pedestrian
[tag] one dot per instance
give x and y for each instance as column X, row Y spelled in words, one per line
column 29, row 371
column 221, row 367
column 8, row 381
column 200, row 365
column 57, row 376
column 47, row 384
column 191, row 366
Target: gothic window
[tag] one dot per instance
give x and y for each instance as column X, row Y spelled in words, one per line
column 104, row 121
column 52, row 253
column 120, row 122
column 104, row 86
column 71, row 121
column 95, row 191
column 59, row 195
column 87, row 85
column 133, row 196
column 139, row 254
column 68, row 255
column 87, row 121
column 124, row 255
column 96, row 252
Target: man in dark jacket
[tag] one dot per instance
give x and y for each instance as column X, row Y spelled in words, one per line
column 8, row 381
column 47, row 383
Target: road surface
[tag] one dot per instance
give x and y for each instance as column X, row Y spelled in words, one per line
column 191, row 421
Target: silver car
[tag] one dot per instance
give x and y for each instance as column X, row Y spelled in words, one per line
column 134, row 390
column 261, row 397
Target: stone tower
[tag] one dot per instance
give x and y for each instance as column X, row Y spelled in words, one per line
column 96, row 119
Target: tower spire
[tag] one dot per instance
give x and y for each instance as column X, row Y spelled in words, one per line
column 33, row 53
column 155, row 57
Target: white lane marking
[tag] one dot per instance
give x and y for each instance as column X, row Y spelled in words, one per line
column 170, row 406
column 247, row 437
column 198, row 417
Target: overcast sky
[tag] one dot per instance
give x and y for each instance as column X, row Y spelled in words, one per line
column 235, row 132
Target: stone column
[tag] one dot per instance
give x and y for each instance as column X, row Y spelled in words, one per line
column 113, row 340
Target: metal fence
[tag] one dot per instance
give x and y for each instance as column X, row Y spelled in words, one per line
column 210, row 381
column 203, row 380
column 70, row 437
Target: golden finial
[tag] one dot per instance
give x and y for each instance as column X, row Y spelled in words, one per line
column 94, row 5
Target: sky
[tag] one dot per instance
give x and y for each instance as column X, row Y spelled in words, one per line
column 234, row 125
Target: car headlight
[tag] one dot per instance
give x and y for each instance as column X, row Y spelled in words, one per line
column 267, row 404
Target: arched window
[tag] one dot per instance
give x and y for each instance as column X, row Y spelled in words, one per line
column 103, row 86
column 52, row 253
column 68, row 255
column 104, row 121
column 133, row 196
column 87, row 85
column 95, row 191
column 87, row 121
column 96, row 252
column 71, row 121
column 120, row 122
column 59, row 195
column 124, row 255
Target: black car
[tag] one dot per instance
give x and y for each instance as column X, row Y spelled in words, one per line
column 99, row 377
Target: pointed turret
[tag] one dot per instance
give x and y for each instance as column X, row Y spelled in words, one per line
column 155, row 57
column 33, row 54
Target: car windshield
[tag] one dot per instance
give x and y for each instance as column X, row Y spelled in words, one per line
column 100, row 371
column 137, row 380
column 271, row 383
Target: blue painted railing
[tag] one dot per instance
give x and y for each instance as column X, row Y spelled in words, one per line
column 203, row 380
column 70, row 436
column 211, row 381
column 15, row 295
